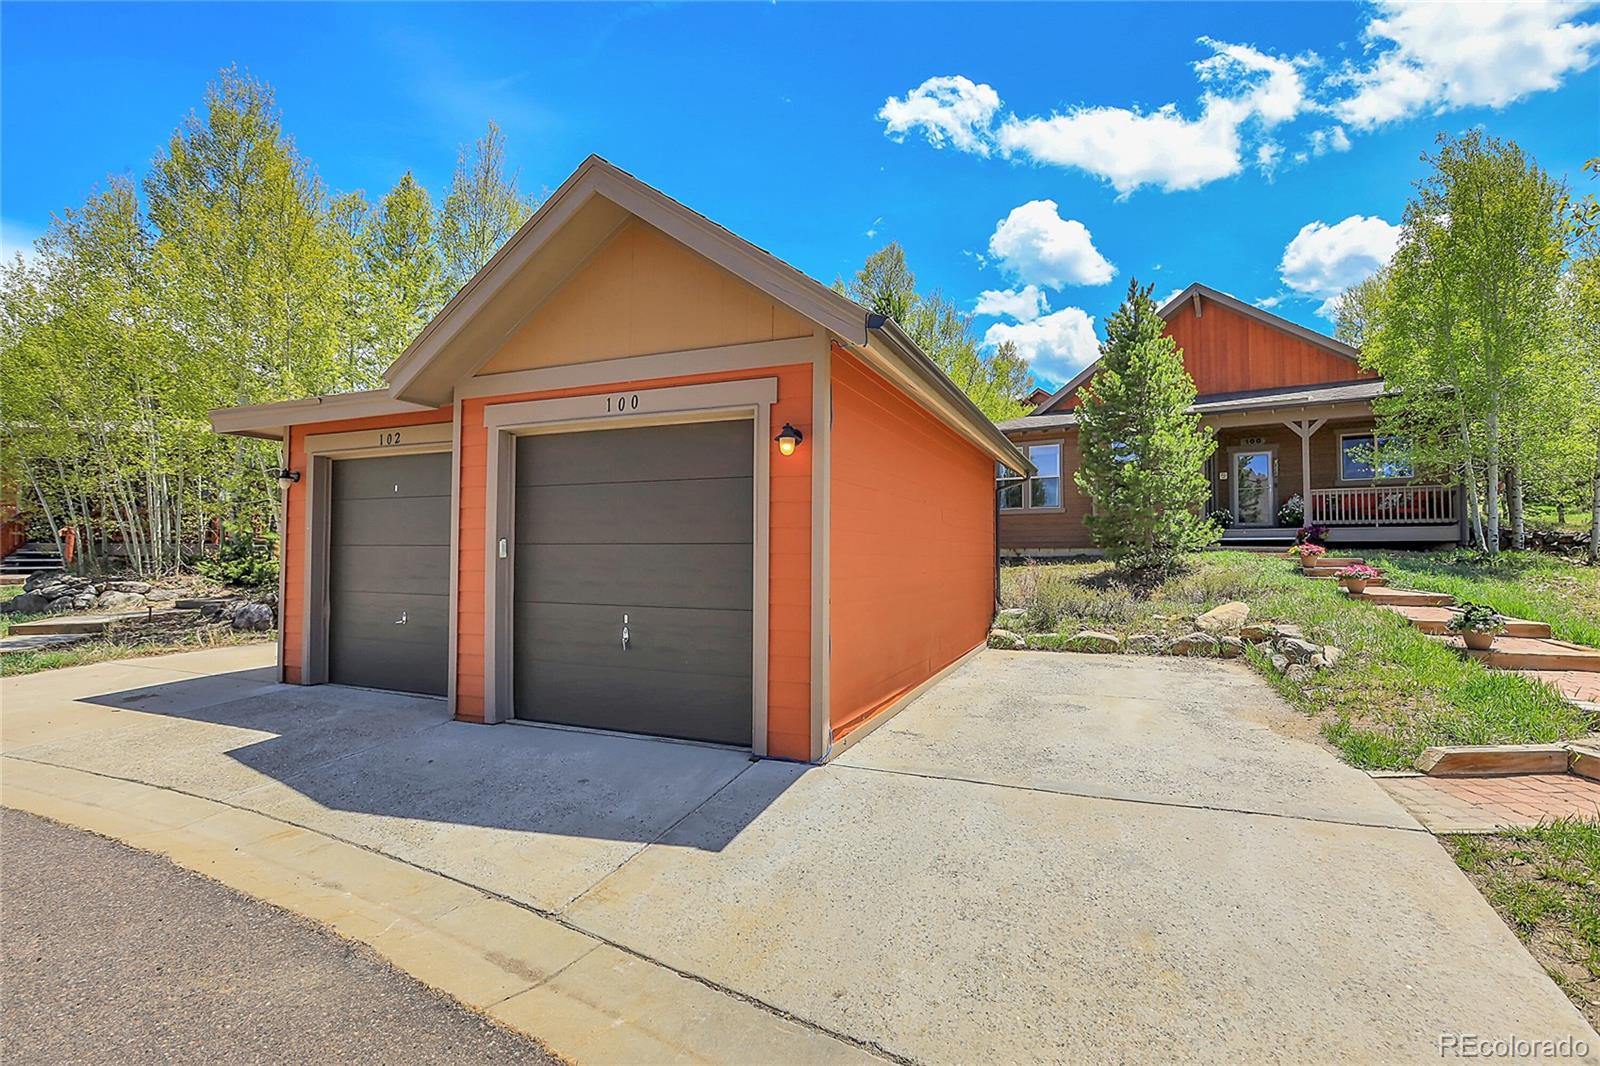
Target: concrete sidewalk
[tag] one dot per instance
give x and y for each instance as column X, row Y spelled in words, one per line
column 1047, row 857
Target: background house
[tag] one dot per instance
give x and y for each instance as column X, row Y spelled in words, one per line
column 1292, row 409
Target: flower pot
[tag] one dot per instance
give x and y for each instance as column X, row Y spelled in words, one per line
column 1353, row 585
column 1476, row 640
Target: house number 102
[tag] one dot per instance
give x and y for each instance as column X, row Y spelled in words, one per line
column 388, row 438
column 624, row 402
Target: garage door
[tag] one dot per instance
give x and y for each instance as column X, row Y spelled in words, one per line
column 647, row 530
column 389, row 573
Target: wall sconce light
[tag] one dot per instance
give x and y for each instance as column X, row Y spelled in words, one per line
column 286, row 478
column 789, row 439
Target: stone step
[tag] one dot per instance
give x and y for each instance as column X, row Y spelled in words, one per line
column 1336, row 561
column 39, row 641
column 1326, row 569
column 1532, row 653
column 1434, row 620
column 1409, row 597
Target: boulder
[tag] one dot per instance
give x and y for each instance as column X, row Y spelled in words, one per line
column 1226, row 618
column 41, row 577
column 1145, row 644
column 1331, row 655
column 83, row 601
column 161, row 595
column 1230, row 647
column 1196, row 643
column 1296, row 650
column 1280, row 663
column 1288, row 629
column 27, row 603
column 1006, row 639
column 119, row 601
column 252, row 616
column 141, row 587
column 1095, row 641
column 1258, row 631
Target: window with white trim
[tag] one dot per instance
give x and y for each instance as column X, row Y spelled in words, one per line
column 1040, row 492
column 1365, row 457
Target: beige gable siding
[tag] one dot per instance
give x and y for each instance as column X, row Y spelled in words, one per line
column 642, row 294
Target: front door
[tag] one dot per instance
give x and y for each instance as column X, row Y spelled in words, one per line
column 1254, row 502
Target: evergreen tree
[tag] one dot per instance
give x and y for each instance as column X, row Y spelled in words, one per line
column 1143, row 452
column 483, row 208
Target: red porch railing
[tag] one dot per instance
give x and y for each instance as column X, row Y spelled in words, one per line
column 1400, row 505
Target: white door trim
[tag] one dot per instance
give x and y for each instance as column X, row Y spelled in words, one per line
column 750, row 398
column 1234, row 455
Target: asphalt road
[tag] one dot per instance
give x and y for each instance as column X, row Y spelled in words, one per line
column 108, row 954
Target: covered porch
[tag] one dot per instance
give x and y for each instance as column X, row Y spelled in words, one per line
column 1317, row 444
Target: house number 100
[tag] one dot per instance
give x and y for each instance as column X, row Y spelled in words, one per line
column 626, row 402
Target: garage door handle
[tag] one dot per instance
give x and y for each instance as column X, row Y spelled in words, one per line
column 624, row 632
column 401, row 620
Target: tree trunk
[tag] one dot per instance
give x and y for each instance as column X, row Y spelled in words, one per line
column 1594, row 516
column 1469, row 476
column 55, row 530
column 1491, row 479
column 1514, row 506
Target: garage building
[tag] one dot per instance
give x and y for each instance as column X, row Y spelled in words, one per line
column 639, row 475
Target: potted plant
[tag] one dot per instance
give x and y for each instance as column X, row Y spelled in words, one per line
column 1308, row 554
column 1312, row 534
column 1478, row 624
column 1355, row 579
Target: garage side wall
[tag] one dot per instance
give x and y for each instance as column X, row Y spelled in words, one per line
column 293, row 557
column 789, row 627
column 913, row 545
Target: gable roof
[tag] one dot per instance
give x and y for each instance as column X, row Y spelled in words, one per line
column 1196, row 292
column 577, row 219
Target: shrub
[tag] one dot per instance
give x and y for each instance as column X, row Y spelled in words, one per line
column 243, row 560
column 1293, row 511
column 1222, row 517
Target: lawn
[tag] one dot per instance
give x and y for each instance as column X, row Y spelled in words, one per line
column 127, row 642
column 1545, row 883
column 1531, row 585
column 1396, row 691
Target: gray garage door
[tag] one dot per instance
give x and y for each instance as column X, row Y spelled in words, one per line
column 651, row 525
column 389, row 573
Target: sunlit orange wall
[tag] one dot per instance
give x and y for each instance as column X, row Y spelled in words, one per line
column 292, row 610
column 789, row 636
column 912, row 557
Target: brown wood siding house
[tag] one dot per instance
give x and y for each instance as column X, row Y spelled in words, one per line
column 1292, row 410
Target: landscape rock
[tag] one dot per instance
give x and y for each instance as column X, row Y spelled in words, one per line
column 1318, row 662
column 1331, row 655
column 119, row 601
column 41, row 577
column 1299, row 673
column 1145, row 644
column 1225, row 618
column 1006, row 639
column 141, row 587
column 1297, row 650
column 27, row 603
column 252, row 616
column 1094, row 641
column 1257, row 631
column 1193, row 644
column 1279, row 662
column 1230, row 647
column 81, row 602
column 1289, row 629
column 157, row 595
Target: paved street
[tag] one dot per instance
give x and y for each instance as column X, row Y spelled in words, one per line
column 114, row 955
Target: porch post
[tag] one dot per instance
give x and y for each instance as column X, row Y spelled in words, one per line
column 1303, row 428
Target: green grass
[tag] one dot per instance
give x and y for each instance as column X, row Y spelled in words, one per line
column 1531, row 585
column 1545, row 883
column 1396, row 691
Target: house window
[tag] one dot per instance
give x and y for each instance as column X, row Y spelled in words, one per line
column 1358, row 460
column 1042, row 491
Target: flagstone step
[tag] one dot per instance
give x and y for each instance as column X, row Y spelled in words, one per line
column 1532, row 653
column 1408, row 597
column 1334, row 562
column 1434, row 619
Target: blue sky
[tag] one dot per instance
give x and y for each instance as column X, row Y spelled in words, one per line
column 1020, row 151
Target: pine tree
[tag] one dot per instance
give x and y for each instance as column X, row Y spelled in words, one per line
column 1143, row 451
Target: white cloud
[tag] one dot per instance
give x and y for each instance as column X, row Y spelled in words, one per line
column 949, row 110
column 1246, row 91
column 1056, row 345
column 1035, row 245
column 1331, row 139
column 872, row 230
column 1024, row 304
column 1322, row 260
column 1439, row 57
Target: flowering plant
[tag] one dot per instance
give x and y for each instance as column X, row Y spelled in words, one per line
column 1307, row 551
column 1476, row 618
column 1312, row 534
column 1358, row 572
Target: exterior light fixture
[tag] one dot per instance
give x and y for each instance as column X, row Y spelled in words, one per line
column 286, row 478
column 789, row 439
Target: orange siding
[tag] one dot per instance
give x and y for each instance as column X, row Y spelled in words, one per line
column 912, row 559
column 1225, row 351
column 789, row 631
column 292, row 610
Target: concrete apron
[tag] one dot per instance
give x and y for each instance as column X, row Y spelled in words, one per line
column 1047, row 857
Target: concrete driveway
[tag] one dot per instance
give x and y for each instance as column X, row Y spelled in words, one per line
column 1048, row 857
